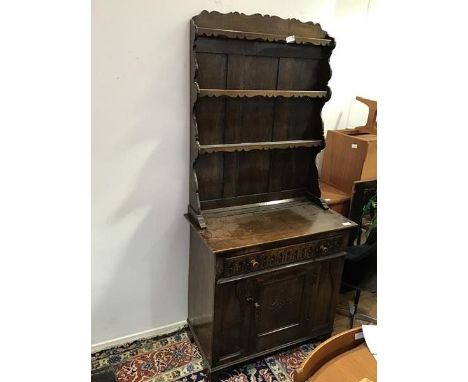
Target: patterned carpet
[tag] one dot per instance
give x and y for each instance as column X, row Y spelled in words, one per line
column 176, row 358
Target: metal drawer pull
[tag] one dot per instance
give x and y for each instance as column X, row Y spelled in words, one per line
column 254, row 263
column 323, row 248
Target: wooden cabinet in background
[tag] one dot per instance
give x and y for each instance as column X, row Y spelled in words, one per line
column 350, row 155
column 266, row 255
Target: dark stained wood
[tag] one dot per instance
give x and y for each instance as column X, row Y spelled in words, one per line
column 232, row 147
column 250, row 95
column 233, row 317
column 252, row 199
column 363, row 190
column 297, row 119
column 252, row 172
column 259, row 175
column 246, row 226
column 252, row 27
column 209, row 169
column 264, row 299
column 103, row 375
column 261, row 93
column 259, row 48
column 266, row 254
column 201, row 287
column 261, row 36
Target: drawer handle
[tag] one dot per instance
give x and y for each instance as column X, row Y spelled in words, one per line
column 323, row 248
column 254, row 263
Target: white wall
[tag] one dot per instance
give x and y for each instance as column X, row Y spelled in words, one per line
column 140, row 133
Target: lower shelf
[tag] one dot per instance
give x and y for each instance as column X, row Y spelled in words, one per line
column 262, row 93
column 234, row 147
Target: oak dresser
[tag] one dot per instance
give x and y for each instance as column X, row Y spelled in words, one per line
column 266, row 253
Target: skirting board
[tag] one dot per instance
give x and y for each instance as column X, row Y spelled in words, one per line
column 137, row 336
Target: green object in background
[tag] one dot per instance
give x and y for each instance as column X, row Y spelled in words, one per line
column 369, row 213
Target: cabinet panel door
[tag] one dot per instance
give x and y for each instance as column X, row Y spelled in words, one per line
column 233, row 314
column 280, row 306
column 324, row 294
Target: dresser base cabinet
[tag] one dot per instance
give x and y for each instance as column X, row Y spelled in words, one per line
column 250, row 297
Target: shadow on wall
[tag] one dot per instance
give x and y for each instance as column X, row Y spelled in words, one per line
column 140, row 292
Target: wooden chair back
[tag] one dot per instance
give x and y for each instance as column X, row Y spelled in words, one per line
column 371, row 123
column 328, row 350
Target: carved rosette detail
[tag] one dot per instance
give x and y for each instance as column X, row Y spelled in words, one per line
column 281, row 256
column 281, row 302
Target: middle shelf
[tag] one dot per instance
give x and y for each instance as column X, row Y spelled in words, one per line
column 262, row 93
column 233, row 147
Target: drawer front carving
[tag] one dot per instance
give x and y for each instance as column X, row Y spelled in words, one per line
column 281, row 256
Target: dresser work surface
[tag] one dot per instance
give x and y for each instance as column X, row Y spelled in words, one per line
column 246, row 227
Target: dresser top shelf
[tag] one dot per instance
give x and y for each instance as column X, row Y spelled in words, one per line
column 270, row 222
column 237, row 25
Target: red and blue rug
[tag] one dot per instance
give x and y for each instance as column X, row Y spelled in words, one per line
column 176, row 358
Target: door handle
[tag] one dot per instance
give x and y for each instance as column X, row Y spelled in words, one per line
column 251, row 299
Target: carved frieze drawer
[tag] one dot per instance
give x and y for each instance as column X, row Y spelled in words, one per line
column 281, row 256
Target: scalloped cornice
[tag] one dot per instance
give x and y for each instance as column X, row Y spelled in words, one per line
column 262, row 27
